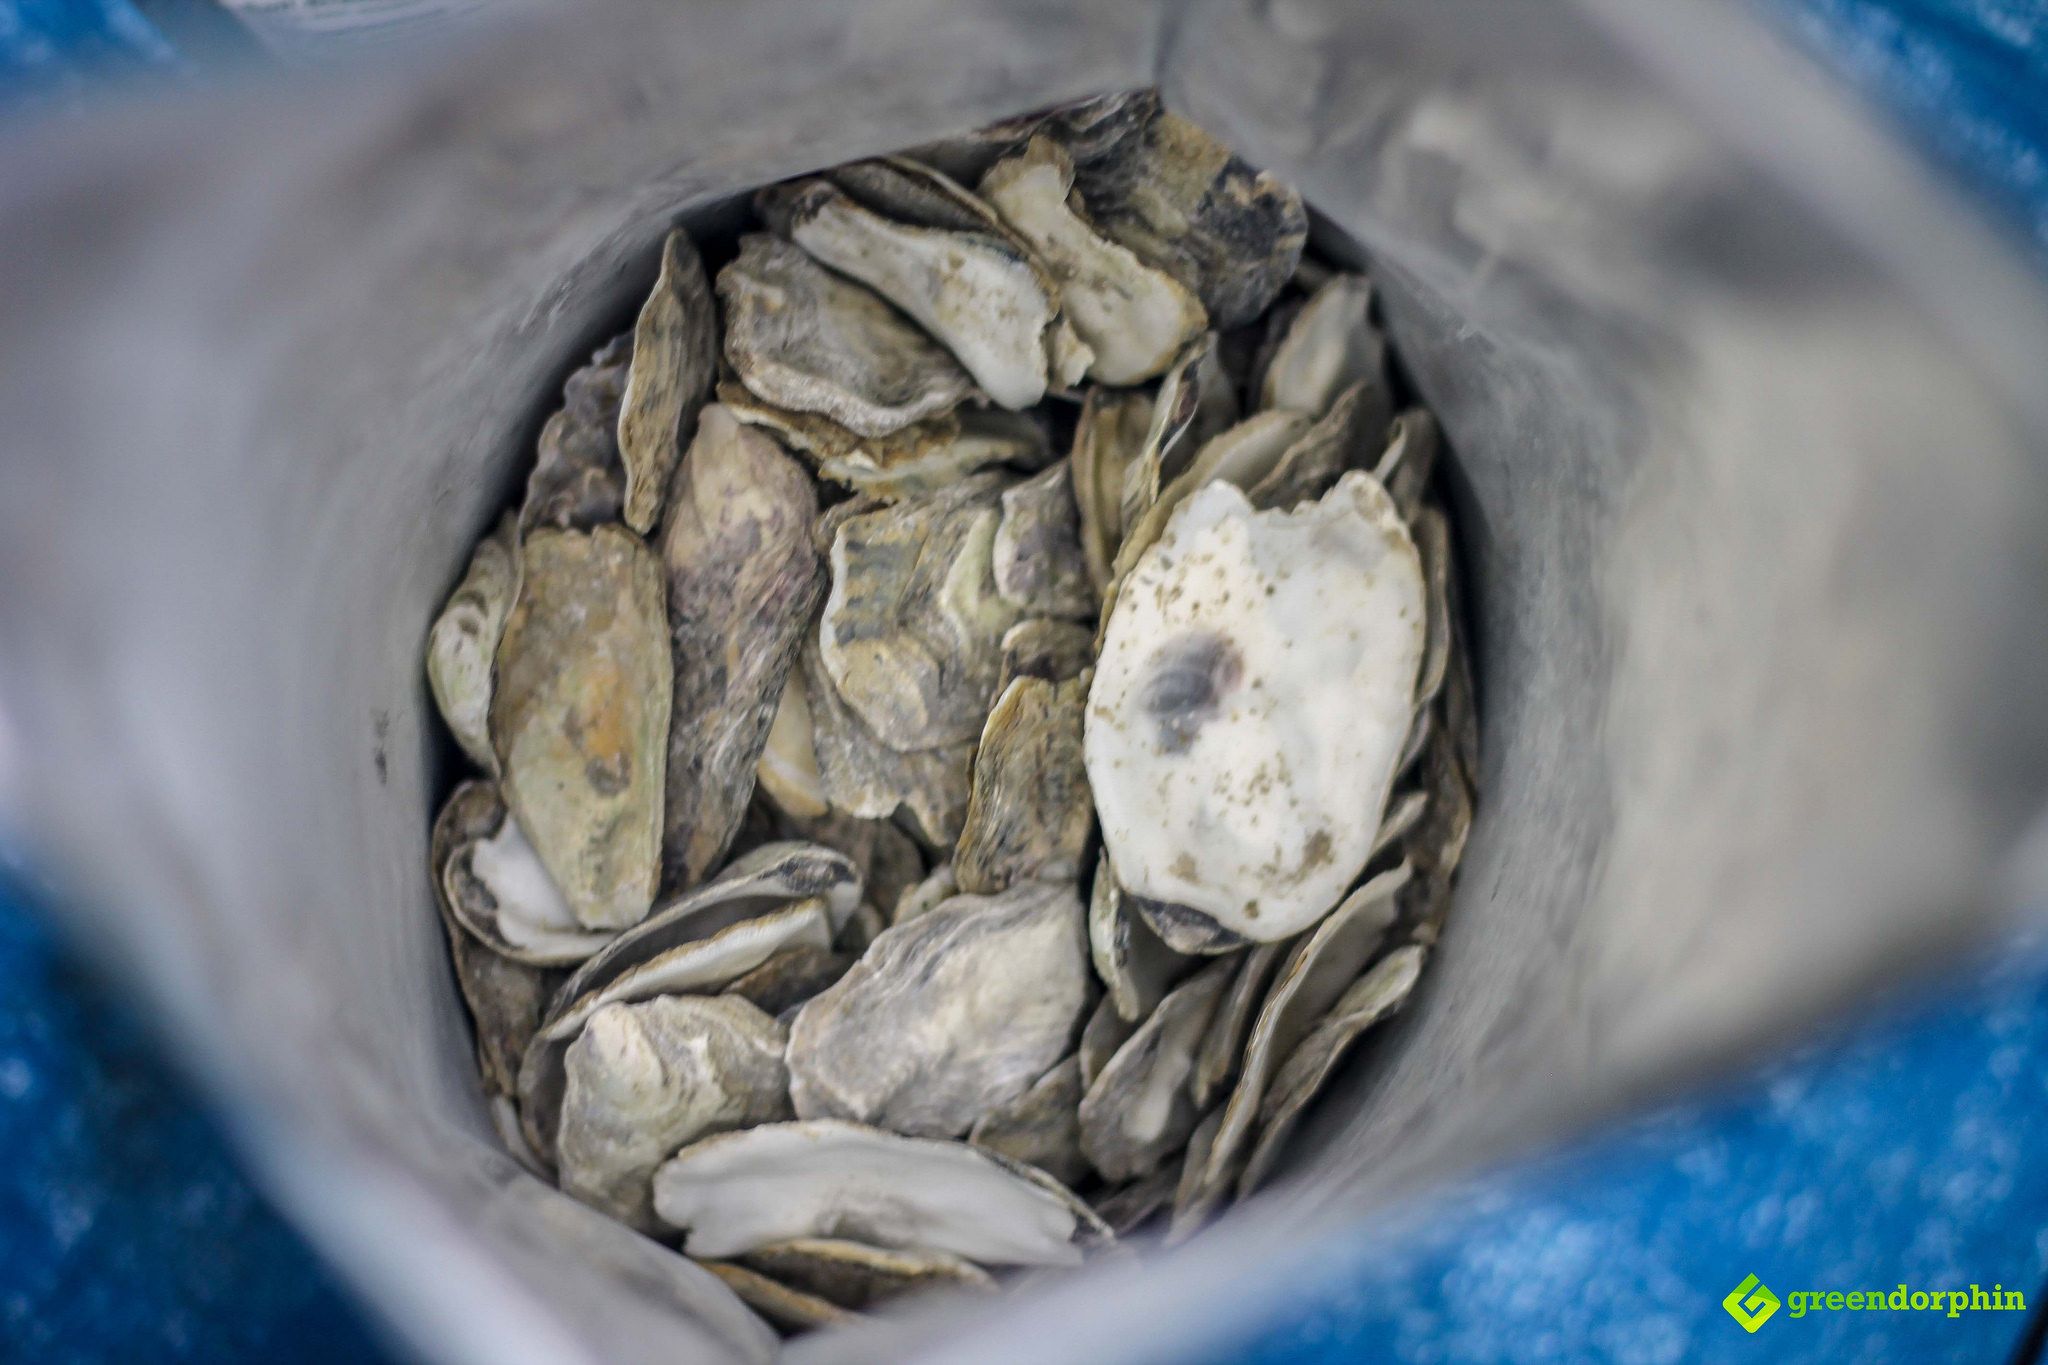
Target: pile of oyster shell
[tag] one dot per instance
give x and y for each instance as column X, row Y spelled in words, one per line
column 971, row 721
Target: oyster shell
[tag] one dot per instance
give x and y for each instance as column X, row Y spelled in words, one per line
column 804, row 339
column 1040, row 1127
column 1128, row 1208
column 1138, row 1110
column 790, row 977
column 1184, row 204
column 579, row 717
column 1135, row 318
column 1371, row 999
column 506, row 999
column 643, row 1079
column 977, row 999
column 463, row 643
column 579, row 482
column 1223, row 1047
column 1433, row 544
column 703, row 966
column 738, row 1192
column 1193, row 1199
column 1037, row 554
column 1413, row 441
column 910, row 192
column 787, row 1308
column 1404, row 813
column 1111, row 433
column 1196, row 401
column 788, row 769
column 923, row 457
column 865, row 777
column 1315, row 459
column 913, row 628
column 1029, row 815
column 982, row 296
column 675, row 353
column 1251, row 699
column 1318, row 969
column 928, row 895
column 1105, row 1032
column 1330, row 346
column 1045, row 648
column 1240, row 456
column 743, row 582
column 856, row 1276
column 1133, row 962
column 497, row 889
column 769, row 878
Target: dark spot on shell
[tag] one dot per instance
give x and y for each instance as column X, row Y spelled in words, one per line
column 1185, row 683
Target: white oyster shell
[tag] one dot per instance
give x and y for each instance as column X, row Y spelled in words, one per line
column 1255, row 686
column 738, row 1192
column 643, row 1079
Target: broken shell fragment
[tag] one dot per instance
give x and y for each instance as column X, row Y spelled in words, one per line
column 1314, row 460
column 675, row 353
column 1371, row 999
column 1135, row 318
column 1037, row 554
column 790, row 977
column 979, row 293
column 1315, row 975
column 1128, row 1208
column 978, row 999
column 1183, row 203
column 788, row 769
column 462, row 646
column 913, row 628
column 506, row 999
column 1029, row 816
column 579, row 482
column 579, row 717
column 805, row 339
column 856, row 1276
column 1045, row 648
column 1104, row 1033
column 1251, row 699
column 923, row 457
column 1133, row 962
column 907, row 191
column 1330, row 346
column 643, row 1079
column 1193, row 1198
column 1433, row 544
column 1223, row 1047
column 1109, row 436
column 738, row 1192
column 1413, row 441
column 787, row 1308
column 498, row 890
column 1041, row 1127
column 743, row 583
column 1138, row 1111
column 928, row 895
column 1196, row 401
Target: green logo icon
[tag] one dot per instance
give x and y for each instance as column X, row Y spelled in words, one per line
column 1750, row 1303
